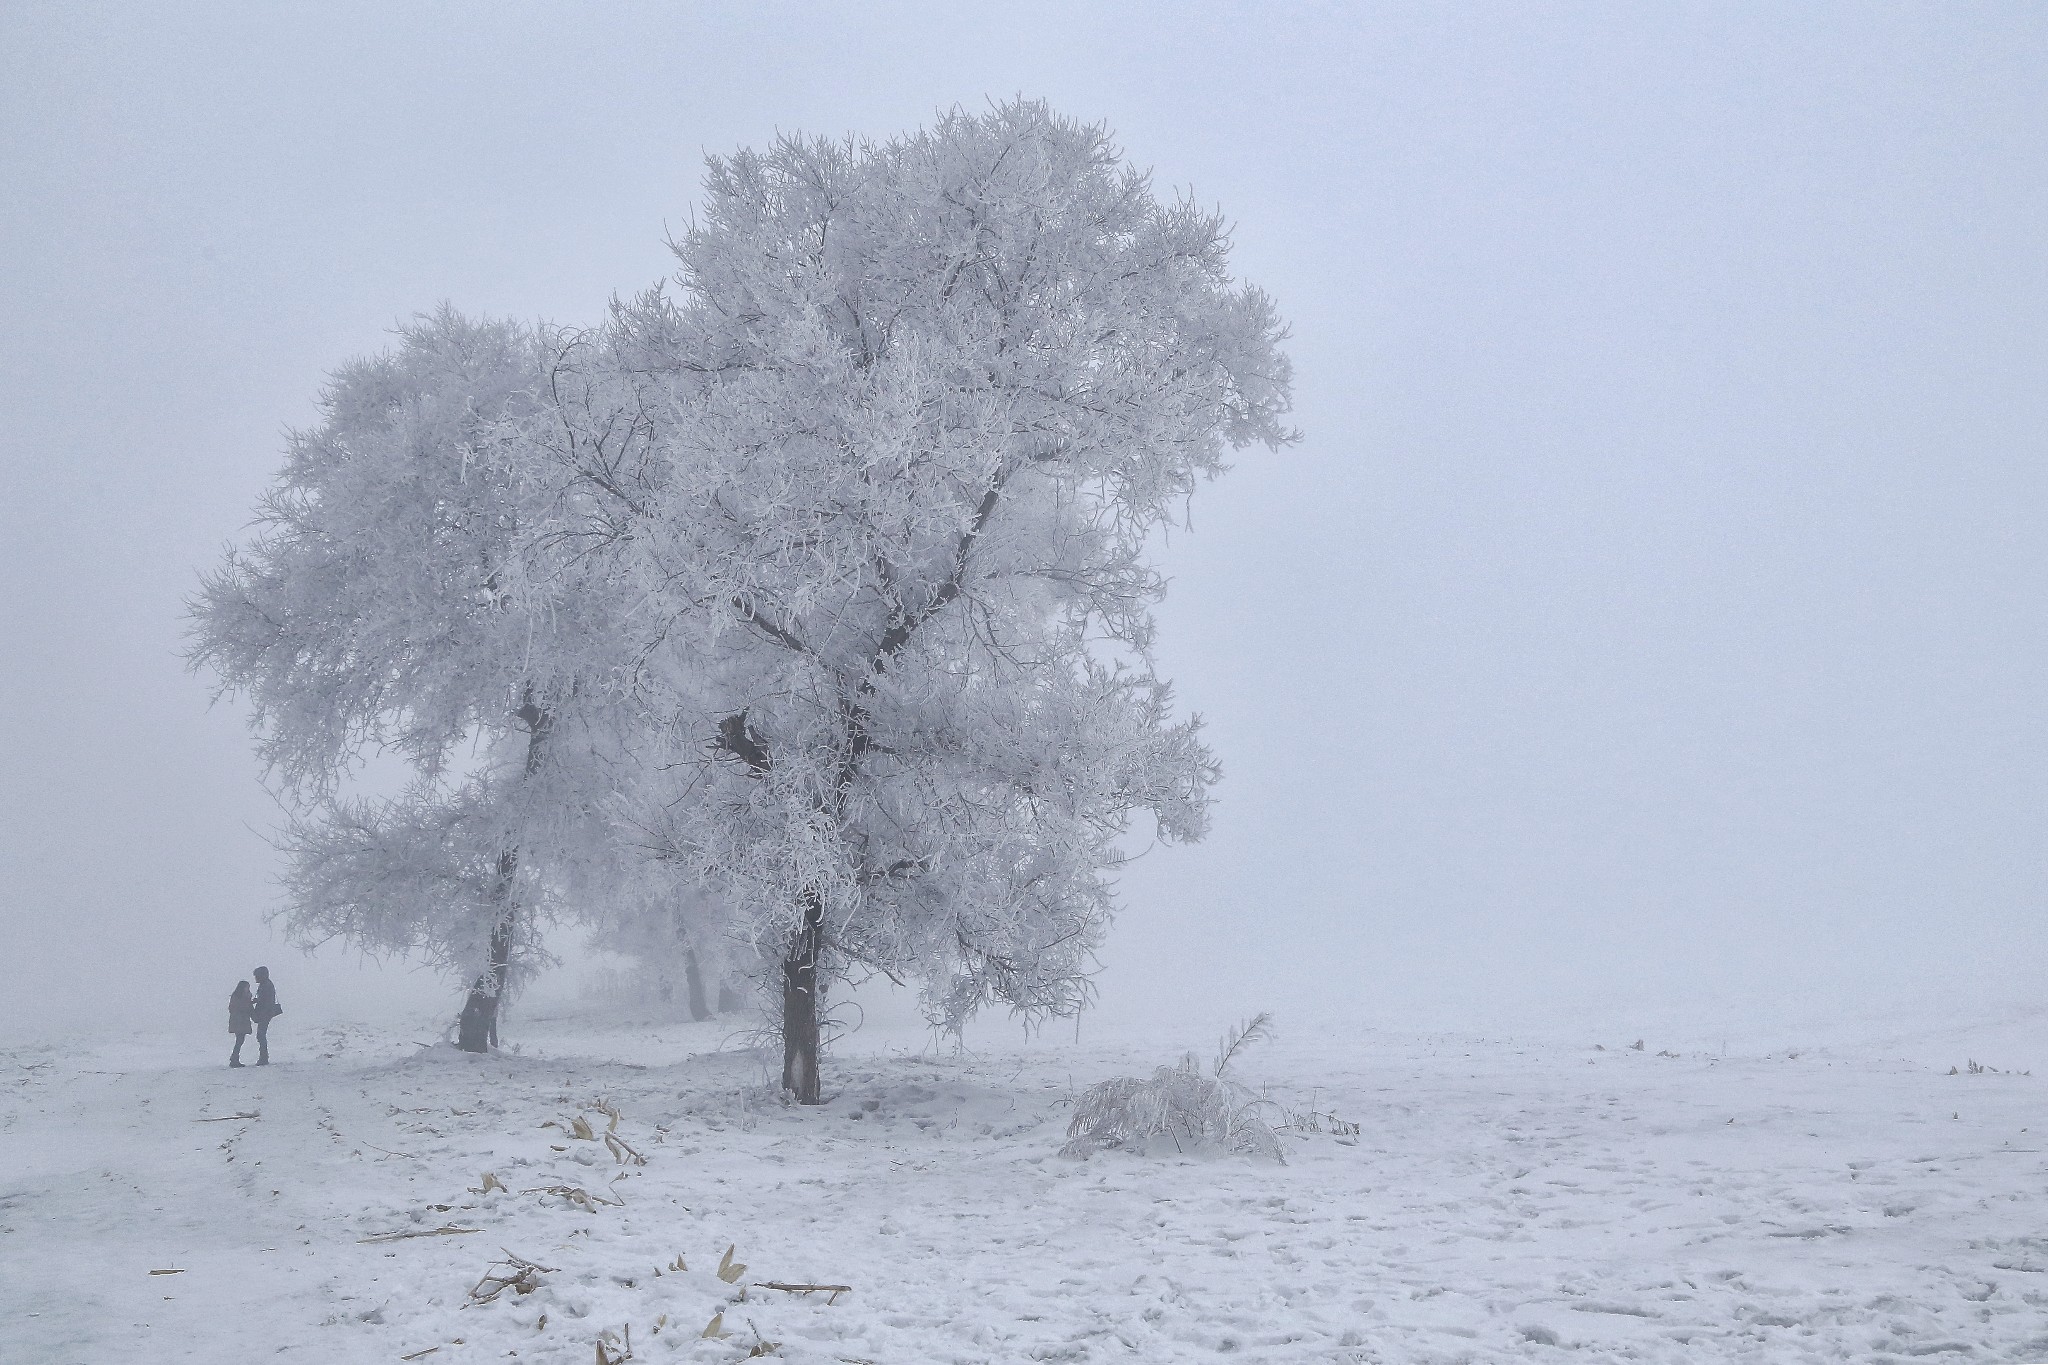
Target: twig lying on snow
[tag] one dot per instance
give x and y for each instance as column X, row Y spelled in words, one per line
column 449, row 1230
column 834, row 1290
column 230, row 1118
column 166, row 1272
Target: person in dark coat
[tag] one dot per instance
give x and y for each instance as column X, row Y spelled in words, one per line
column 266, row 1009
column 241, row 1017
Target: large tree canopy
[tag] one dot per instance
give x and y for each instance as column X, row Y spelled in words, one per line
column 813, row 587
column 913, row 413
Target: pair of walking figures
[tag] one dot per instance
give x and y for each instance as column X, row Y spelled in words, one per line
column 246, row 1012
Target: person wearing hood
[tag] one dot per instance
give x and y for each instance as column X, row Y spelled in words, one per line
column 264, row 1010
column 241, row 1017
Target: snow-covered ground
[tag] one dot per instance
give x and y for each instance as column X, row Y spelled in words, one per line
column 1507, row 1198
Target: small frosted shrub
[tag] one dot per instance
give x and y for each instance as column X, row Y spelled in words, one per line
column 1186, row 1106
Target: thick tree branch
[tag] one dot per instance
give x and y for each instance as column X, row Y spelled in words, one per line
column 898, row 635
column 781, row 635
column 739, row 739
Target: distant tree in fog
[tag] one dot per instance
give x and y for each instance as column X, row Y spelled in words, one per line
column 413, row 590
column 679, row 940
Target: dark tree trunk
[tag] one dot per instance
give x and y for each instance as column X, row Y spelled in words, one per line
column 800, row 1004
column 694, row 980
column 800, row 1043
column 477, row 1029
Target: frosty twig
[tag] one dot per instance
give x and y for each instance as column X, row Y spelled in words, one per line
column 449, row 1230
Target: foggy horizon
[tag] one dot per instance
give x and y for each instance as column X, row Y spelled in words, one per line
column 1652, row 610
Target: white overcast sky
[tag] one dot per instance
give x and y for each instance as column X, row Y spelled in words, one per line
column 1655, row 605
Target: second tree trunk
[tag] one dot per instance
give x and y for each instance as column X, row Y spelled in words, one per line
column 478, row 1029
column 800, row 1003
column 693, row 981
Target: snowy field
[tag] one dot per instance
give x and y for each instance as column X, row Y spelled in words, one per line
column 1505, row 1198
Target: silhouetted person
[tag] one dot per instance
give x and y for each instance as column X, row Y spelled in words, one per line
column 241, row 1017
column 265, row 1010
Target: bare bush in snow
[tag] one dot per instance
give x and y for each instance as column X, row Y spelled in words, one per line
column 1192, row 1107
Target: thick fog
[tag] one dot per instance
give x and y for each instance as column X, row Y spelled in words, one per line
column 1654, row 608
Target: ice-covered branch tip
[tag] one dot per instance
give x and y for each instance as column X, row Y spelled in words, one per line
column 1257, row 1029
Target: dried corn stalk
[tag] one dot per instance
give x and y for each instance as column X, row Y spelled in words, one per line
column 577, row 1195
column 518, row 1274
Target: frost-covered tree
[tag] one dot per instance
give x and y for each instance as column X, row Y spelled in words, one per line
column 912, row 417
column 416, row 587
column 817, row 587
column 676, row 937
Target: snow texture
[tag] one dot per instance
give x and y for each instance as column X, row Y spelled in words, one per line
column 1501, row 1200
